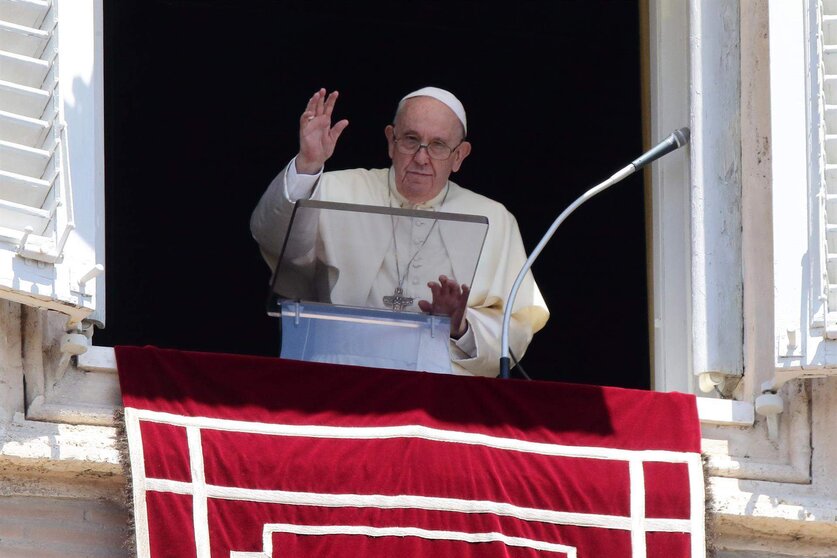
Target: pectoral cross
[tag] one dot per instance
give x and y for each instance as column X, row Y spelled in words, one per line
column 398, row 301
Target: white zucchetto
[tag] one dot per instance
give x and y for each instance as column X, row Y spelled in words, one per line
column 446, row 97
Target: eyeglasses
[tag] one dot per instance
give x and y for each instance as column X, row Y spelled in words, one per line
column 410, row 145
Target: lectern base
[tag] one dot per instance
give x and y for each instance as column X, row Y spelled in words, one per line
column 363, row 336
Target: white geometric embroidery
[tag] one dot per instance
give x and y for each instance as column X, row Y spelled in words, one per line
column 636, row 523
column 369, row 531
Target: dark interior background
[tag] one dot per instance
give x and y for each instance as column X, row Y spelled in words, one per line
column 202, row 104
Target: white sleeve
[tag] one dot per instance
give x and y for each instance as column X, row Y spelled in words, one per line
column 299, row 186
column 272, row 215
column 466, row 345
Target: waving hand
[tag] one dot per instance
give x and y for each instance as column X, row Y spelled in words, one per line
column 317, row 137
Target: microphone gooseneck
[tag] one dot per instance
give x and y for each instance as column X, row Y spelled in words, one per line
column 675, row 140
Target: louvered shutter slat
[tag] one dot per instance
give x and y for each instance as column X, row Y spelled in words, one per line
column 19, row 39
column 23, row 70
column 24, row 12
column 26, row 212
column 21, row 159
column 24, row 130
column 21, row 200
column 23, row 100
column 24, row 189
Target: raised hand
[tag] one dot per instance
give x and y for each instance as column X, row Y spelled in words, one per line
column 317, row 137
column 449, row 299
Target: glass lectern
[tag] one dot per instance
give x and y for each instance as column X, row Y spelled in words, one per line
column 349, row 279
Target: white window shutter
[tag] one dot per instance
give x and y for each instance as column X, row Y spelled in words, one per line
column 803, row 67
column 826, row 144
column 51, row 156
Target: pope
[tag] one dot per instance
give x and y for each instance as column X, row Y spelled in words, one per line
column 426, row 143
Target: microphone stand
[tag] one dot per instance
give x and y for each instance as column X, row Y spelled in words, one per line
column 677, row 139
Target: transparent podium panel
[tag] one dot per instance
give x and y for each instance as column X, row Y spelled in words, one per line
column 367, row 268
column 345, row 335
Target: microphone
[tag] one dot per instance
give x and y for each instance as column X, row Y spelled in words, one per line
column 675, row 140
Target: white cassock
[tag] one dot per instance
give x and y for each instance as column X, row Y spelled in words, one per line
column 422, row 252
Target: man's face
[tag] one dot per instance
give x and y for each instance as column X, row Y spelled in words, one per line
column 419, row 177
